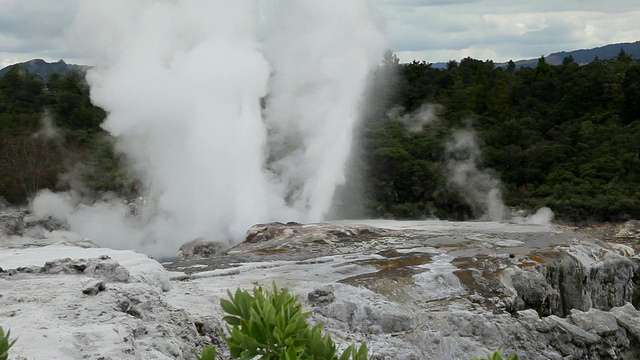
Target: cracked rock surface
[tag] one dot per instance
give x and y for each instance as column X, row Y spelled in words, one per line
column 411, row 290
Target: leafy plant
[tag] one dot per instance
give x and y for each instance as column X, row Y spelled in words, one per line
column 497, row 356
column 208, row 353
column 272, row 325
column 5, row 344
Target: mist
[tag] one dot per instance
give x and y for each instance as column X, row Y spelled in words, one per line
column 182, row 83
column 480, row 187
column 321, row 58
column 417, row 120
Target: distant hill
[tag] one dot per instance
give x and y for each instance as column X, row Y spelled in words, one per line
column 44, row 68
column 583, row 56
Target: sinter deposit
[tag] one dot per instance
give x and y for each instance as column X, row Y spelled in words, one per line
column 411, row 290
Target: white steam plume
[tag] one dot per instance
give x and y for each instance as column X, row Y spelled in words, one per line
column 416, row 121
column 182, row 80
column 48, row 129
column 481, row 188
column 322, row 53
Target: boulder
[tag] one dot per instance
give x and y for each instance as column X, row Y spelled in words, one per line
column 93, row 288
column 201, row 248
column 594, row 320
column 629, row 318
column 106, row 268
column 321, row 297
column 630, row 229
column 23, row 223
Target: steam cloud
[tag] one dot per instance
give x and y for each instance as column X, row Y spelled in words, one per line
column 182, row 82
column 321, row 59
column 480, row 187
column 417, row 120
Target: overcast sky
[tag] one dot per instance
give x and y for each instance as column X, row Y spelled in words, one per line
column 430, row 30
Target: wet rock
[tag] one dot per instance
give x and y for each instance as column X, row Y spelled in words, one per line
column 629, row 318
column 201, row 248
column 630, row 229
column 590, row 277
column 598, row 321
column 12, row 223
column 316, row 237
column 23, row 223
column 565, row 274
column 534, row 291
column 379, row 318
column 321, row 297
column 342, row 311
column 528, row 315
column 93, row 288
column 447, row 292
column 390, row 322
column 106, row 268
column 610, row 284
column 575, row 333
column 265, row 232
column 64, row 266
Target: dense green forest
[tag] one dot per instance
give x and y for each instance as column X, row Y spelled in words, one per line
column 566, row 137
column 50, row 137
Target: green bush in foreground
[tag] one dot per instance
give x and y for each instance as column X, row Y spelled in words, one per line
column 271, row 324
column 5, row 344
column 208, row 353
column 498, row 356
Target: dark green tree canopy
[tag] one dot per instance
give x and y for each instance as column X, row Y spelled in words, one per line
column 565, row 136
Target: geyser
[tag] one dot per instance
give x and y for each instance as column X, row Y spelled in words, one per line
column 321, row 53
column 182, row 83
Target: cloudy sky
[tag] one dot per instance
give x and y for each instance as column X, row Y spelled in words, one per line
column 430, row 30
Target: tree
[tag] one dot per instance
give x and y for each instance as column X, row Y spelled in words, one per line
column 623, row 57
column 28, row 164
column 568, row 60
column 631, row 91
column 72, row 107
column 389, row 58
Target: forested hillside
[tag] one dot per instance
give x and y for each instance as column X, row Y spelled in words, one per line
column 565, row 136
column 45, row 69
column 50, row 137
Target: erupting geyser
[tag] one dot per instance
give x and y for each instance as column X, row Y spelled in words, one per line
column 182, row 83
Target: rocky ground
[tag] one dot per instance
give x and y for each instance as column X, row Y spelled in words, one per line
column 411, row 290
column 627, row 233
column 450, row 290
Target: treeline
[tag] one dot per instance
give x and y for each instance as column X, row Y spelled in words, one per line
column 50, row 137
column 566, row 137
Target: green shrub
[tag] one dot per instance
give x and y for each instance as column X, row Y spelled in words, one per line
column 208, row 353
column 272, row 325
column 5, row 344
column 497, row 356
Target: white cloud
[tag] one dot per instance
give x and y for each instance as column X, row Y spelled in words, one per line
column 424, row 3
column 503, row 30
column 7, row 61
column 518, row 24
column 34, row 29
column 431, row 30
